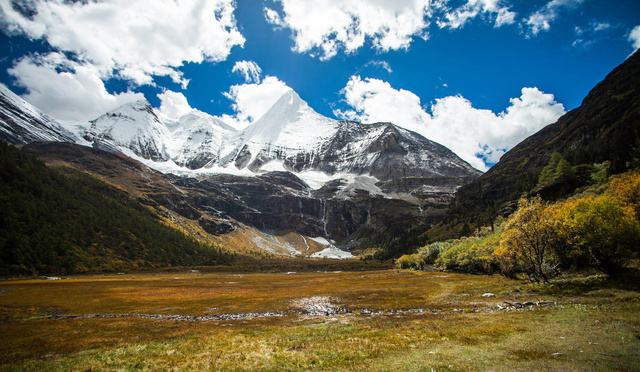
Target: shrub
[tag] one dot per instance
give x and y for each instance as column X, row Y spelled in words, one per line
column 602, row 230
column 410, row 261
column 626, row 189
column 529, row 240
column 431, row 252
column 472, row 255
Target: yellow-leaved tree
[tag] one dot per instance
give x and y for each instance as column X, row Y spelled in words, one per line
column 530, row 239
column 602, row 230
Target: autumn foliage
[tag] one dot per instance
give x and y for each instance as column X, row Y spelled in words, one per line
column 601, row 231
column 597, row 229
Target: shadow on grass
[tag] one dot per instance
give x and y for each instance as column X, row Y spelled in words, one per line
column 579, row 283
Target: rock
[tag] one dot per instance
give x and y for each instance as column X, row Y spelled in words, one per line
column 488, row 295
column 215, row 226
column 317, row 306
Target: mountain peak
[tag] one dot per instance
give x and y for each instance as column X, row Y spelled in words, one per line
column 134, row 126
column 290, row 123
column 286, row 107
column 21, row 122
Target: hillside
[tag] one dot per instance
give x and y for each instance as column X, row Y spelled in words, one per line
column 294, row 183
column 58, row 220
column 605, row 128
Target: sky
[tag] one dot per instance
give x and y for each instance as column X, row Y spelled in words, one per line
column 477, row 76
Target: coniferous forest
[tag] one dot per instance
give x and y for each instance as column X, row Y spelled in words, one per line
column 57, row 220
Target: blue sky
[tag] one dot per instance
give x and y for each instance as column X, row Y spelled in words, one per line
column 485, row 64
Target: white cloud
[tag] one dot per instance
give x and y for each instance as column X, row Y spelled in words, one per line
column 273, row 17
column 588, row 35
column 325, row 27
column 249, row 70
column 252, row 100
column 473, row 134
column 600, row 26
column 382, row 64
column 65, row 89
column 541, row 19
column 457, row 18
column 133, row 39
column 173, row 105
column 634, row 37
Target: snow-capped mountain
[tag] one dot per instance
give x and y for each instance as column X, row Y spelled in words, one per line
column 290, row 130
column 21, row 122
column 290, row 136
column 293, row 170
column 133, row 126
column 301, row 139
column 386, row 151
column 197, row 139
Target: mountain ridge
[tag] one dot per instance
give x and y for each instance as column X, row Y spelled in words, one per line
column 604, row 128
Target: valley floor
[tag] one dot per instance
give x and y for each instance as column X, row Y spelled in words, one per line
column 368, row 320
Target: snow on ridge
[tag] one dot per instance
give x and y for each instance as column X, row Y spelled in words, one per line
column 331, row 251
column 29, row 123
column 290, row 126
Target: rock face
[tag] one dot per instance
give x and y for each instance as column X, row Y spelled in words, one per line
column 197, row 139
column 21, row 123
column 386, row 152
column 133, row 126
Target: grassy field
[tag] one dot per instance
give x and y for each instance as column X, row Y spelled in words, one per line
column 368, row 320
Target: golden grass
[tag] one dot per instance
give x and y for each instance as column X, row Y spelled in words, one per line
column 594, row 330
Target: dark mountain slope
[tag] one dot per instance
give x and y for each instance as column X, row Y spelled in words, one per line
column 606, row 127
column 58, row 220
column 274, row 202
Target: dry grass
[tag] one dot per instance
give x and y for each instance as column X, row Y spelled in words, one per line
column 592, row 330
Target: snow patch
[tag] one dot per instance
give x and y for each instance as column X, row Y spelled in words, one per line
column 333, row 252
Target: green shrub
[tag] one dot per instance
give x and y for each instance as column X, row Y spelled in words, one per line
column 472, row 255
column 431, row 252
column 410, row 261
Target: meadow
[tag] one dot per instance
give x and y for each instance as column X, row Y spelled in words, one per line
column 328, row 320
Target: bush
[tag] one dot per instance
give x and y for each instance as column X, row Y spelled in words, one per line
column 410, row 261
column 539, row 239
column 626, row 189
column 601, row 230
column 431, row 252
column 472, row 255
column 531, row 236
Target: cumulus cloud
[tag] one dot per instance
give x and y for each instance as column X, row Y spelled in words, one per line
column 457, row 18
column 634, row 37
column 541, row 19
column 252, row 100
column 173, row 105
column 478, row 136
column 249, row 70
column 65, row 89
column 133, row 39
column 325, row 27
